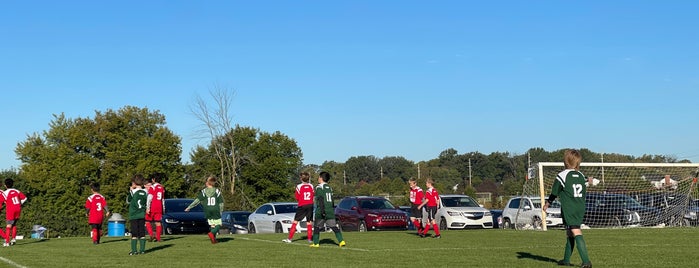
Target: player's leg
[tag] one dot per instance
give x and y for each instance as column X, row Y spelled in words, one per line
column 292, row 230
column 338, row 232
column 215, row 225
column 582, row 248
column 141, row 230
column 93, row 233
column 309, row 223
column 568, row 251
column 134, row 237
column 319, row 223
column 157, row 218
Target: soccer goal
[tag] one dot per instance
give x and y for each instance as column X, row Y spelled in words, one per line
column 621, row 195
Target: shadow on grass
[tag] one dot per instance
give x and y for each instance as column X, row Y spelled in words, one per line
column 527, row 255
column 224, row 239
column 159, row 247
column 114, row 240
column 328, row 241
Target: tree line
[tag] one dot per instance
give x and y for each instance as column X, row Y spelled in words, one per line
column 255, row 166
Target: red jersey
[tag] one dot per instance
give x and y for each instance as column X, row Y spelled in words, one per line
column 96, row 205
column 13, row 203
column 416, row 195
column 432, row 197
column 304, row 194
column 156, row 193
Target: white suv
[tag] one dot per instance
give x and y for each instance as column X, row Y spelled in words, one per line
column 462, row 212
column 525, row 212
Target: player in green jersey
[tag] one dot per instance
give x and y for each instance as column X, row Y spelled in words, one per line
column 324, row 212
column 136, row 199
column 212, row 201
column 570, row 189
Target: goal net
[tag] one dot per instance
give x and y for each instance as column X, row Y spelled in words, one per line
column 626, row 194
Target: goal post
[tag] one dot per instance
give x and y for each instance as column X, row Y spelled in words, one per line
column 625, row 194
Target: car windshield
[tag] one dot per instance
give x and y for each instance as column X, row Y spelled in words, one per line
column 621, row 200
column 180, row 205
column 239, row 217
column 375, row 204
column 459, row 202
column 537, row 203
column 290, row 208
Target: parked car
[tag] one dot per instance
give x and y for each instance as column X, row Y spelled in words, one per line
column 672, row 205
column 526, row 211
column 275, row 217
column 611, row 209
column 692, row 216
column 462, row 212
column 235, row 221
column 364, row 213
column 497, row 217
column 177, row 221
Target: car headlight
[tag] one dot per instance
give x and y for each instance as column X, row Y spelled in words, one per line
column 169, row 220
column 286, row 221
column 238, row 226
column 372, row 215
column 487, row 213
column 453, row 213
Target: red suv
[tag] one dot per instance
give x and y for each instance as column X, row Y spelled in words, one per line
column 364, row 213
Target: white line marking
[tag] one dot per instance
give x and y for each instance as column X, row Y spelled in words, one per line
column 12, row 263
column 298, row 244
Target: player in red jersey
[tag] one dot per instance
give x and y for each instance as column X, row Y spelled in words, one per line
column 304, row 196
column 155, row 207
column 432, row 202
column 416, row 198
column 95, row 207
column 13, row 203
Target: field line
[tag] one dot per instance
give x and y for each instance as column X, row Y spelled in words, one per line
column 14, row 264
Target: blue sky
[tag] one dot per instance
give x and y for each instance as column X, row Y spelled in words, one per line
column 382, row 78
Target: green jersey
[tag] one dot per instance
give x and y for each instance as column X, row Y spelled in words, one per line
column 212, row 202
column 137, row 203
column 570, row 188
column 324, row 202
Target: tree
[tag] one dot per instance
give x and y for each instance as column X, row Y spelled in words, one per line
column 109, row 149
column 363, row 168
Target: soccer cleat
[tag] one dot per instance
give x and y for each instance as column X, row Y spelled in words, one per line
column 314, row 245
column 586, row 265
column 5, row 244
column 422, row 235
column 438, row 236
column 142, row 252
column 287, row 241
column 133, row 253
column 342, row 244
column 13, row 242
column 564, row 263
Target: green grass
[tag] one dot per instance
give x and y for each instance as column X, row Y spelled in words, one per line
column 640, row 247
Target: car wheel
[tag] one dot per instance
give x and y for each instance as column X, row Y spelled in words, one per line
column 685, row 223
column 362, row 226
column 278, row 228
column 506, row 224
column 443, row 224
column 251, row 228
column 536, row 223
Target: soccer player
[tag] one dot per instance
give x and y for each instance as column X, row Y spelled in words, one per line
column 432, row 202
column 416, row 198
column 212, row 201
column 324, row 212
column 304, row 196
column 13, row 206
column 155, row 207
column 570, row 189
column 137, row 214
column 95, row 207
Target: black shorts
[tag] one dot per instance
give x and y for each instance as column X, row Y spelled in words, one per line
column 415, row 212
column 138, row 228
column 304, row 212
column 431, row 213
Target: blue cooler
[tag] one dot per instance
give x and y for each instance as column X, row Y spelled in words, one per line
column 116, row 225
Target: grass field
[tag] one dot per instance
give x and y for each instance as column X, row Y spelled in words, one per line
column 640, row 247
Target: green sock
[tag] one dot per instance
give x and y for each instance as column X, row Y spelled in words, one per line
column 570, row 242
column 316, row 235
column 338, row 235
column 142, row 241
column 133, row 245
column 582, row 249
column 215, row 230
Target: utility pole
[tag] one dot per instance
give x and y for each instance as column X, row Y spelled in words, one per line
column 469, row 173
column 418, row 171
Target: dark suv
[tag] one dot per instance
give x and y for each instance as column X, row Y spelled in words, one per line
column 363, row 213
column 608, row 209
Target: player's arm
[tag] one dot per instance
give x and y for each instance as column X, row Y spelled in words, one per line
column 193, row 204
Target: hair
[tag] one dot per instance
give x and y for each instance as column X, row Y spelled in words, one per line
column 305, row 177
column 211, row 179
column 138, row 180
column 572, row 159
column 412, row 180
column 325, row 176
column 9, row 183
column 430, row 181
column 95, row 186
column 157, row 177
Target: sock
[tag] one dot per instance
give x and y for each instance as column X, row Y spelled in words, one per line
column 310, row 232
column 158, row 231
column 2, row 234
column 416, row 223
column 316, row 236
column 8, row 233
column 292, row 230
column 99, row 235
column 94, row 234
column 14, row 231
column 142, row 241
column 215, row 230
column 133, row 245
column 570, row 242
column 436, row 229
column 582, row 249
column 149, row 229
column 338, row 235
column 426, row 229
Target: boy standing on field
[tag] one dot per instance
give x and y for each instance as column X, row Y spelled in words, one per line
column 325, row 212
column 13, row 206
column 570, row 189
column 304, row 196
column 416, row 198
column 432, row 202
column 137, row 214
column 155, row 207
column 95, row 207
column 212, row 202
